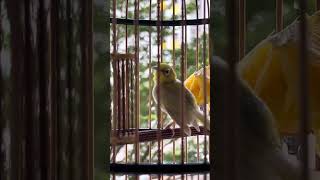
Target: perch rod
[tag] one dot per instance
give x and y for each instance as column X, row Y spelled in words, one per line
column 162, row 23
column 146, row 135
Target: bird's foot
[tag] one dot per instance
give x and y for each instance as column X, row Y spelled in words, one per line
column 169, row 126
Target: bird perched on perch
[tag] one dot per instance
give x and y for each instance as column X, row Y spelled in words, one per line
column 170, row 92
column 260, row 154
column 271, row 69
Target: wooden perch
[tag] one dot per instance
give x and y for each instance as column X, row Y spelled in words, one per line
column 145, row 135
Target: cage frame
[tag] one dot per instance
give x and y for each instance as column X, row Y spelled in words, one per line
column 238, row 34
column 158, row 134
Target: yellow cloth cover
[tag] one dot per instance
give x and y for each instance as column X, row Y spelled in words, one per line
column 195, row 83
column 272, row 70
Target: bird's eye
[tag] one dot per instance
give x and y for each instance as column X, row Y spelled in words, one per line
column 166, row 72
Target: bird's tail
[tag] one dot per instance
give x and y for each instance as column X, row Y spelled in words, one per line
column 204, row 120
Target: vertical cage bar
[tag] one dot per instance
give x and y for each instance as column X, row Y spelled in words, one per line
column 126, row 50
column 158, row 82
column 127, row 74
column 185, row 39
column 127, row 61
column 137, row 87
column 197, row 67
column 174, row 67
column 130, row 96
column 126, row 31
column 123, row 97
column 279, row 15
column 304, row 101
column 197, row 36
column 150, row 80
column 182, row 108
column 115, row 84
column 208, row 2
column 150, row 71
column 204, row 80
column 185, row 65
column 317, row 5
column 118, row 97
column 232, row 120
column 161, row 60
column 115, row 99
column 127, row 127
column 3, row 120
column 242, row 28
column 132, row 92
column 114, row 26
column 118, row 120
column 174, row 35
column 120, row 103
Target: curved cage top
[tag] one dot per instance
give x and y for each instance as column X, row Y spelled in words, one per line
column 161, row 13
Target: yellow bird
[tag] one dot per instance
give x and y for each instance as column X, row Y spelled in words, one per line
column 170, row 93
column 272, row 70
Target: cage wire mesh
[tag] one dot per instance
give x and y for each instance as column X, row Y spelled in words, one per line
column 145, row 34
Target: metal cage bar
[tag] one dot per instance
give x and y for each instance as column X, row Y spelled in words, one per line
column 242, row 28
column 231, row 126
column 137, row 82
column 150, row 81
column 174, row 66
column 279, row 15
column 182, row 77
column 303, row 82
column 3, row 120
column 158, row 92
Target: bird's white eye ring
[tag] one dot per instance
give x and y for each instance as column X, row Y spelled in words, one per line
column 166, row 72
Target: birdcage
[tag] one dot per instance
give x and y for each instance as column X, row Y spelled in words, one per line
column 143, row 138
column 142, row 142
